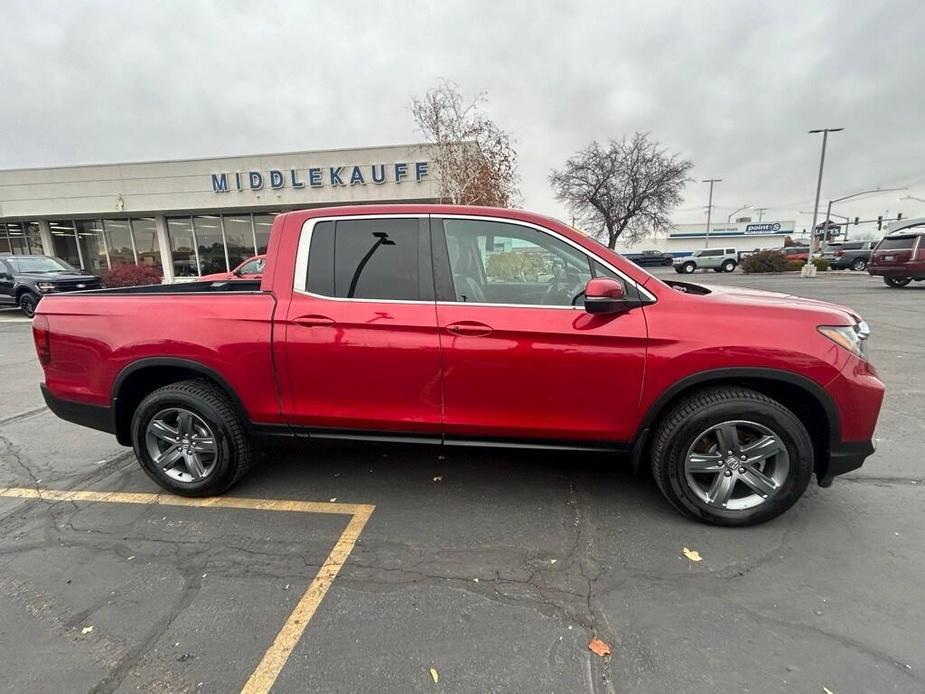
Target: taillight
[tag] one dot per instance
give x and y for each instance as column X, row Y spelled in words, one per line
column 41, row 333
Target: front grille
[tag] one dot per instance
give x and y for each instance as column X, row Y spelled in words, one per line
column 74, row 286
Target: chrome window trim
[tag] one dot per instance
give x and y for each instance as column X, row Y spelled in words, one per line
column 305, row 238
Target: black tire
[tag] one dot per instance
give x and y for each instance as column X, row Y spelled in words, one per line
column 677, row 268
column 688, row 267
column 729, row 266
column 233, row 449
column 668, row 262
column 718, row 269
column 896, row 282
column 685, row 423
column 28, row 303
column 859, row 264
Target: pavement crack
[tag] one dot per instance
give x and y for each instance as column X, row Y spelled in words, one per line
column 191, row 585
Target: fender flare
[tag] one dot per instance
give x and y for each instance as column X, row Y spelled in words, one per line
column 191, row 365
column 705, row 378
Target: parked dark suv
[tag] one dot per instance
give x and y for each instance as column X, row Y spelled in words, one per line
column 25, row 279
column 649, row 258
column 852, row 255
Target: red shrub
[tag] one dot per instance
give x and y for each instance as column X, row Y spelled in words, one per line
column 131, row 276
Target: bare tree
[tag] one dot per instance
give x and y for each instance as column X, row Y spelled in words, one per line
column 476, row 159
column 628, row 188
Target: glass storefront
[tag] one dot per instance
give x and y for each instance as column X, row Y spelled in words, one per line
column 118, row 239
column 199, row 245
column 64, row 237
column 144, row 232
column 20, row 238
column 182, row 247
column 262, row 224
column 210, row 244
column 239, row 238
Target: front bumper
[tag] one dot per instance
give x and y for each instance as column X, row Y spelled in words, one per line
column 92, row 416
column 845, row 457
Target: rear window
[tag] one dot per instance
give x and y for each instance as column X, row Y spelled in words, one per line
column 893, row 243
column 852, row 246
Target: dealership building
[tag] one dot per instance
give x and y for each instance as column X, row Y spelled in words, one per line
column 196, row 216
column 742, row 235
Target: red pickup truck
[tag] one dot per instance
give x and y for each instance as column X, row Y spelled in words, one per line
column 469, row 326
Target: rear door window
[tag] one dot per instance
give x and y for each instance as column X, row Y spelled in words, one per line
column 385, row 259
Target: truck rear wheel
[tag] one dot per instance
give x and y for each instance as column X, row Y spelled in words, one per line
column 896, row 282
column 190, row 439
column 731, row 456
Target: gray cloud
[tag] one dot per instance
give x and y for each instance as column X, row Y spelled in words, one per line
column 732, row 85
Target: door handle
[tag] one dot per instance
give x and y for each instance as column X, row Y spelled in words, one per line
column 313, row 321
column 470, row 328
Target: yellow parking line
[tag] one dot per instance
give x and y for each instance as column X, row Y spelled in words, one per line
column 275, row 657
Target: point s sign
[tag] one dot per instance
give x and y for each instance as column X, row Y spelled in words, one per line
column 769, row 228
column 318, row 177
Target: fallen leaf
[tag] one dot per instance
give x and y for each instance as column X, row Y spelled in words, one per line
column 553, row 561
column 598, row 647
column 86, row 630
column 434, row 675
column 827, row 690
column 692, row 554
column 438, row 478
column 333, row 499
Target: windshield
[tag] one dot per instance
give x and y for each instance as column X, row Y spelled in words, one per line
column 39, row 265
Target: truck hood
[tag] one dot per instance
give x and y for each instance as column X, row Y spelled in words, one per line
column 743, row 296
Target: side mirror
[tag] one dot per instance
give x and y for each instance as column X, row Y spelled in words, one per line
column 605, row 295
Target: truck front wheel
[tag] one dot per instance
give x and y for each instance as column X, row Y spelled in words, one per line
column 28, row 303
column 190, row 439
column 732, row 456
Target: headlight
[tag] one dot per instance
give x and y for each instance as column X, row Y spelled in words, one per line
column 45, row 286
column 851, row 337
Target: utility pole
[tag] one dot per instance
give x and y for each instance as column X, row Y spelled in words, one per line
column 760, row 211
column 809, row 270
column 711, row 181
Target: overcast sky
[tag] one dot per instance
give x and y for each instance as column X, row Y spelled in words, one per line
column 734, row 86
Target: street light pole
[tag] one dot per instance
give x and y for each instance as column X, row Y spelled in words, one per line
column 711, row 181
column 809, row 258
column 729, row 218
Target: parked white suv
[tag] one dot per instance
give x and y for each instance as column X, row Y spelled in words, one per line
column 716, row 259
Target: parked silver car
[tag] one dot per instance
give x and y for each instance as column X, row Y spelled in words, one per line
column 716, row 259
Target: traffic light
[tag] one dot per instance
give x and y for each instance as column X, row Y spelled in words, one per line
column 856, row 220
column 880, row 223
column 899, row 215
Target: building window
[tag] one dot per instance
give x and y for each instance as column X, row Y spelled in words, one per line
column 182, row 247
column 91, row 245
column 262, row 224
column 119, row 242
column 144, row 232
column 210, row 244
column 64, row 238
column 239, row 236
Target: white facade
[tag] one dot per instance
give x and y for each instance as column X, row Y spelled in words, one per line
column 194, row 216
column 743, row 236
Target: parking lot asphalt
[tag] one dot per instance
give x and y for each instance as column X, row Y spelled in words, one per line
column 478, row 570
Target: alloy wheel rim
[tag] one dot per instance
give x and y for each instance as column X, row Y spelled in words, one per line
column 181, row 444
column 736, row 465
